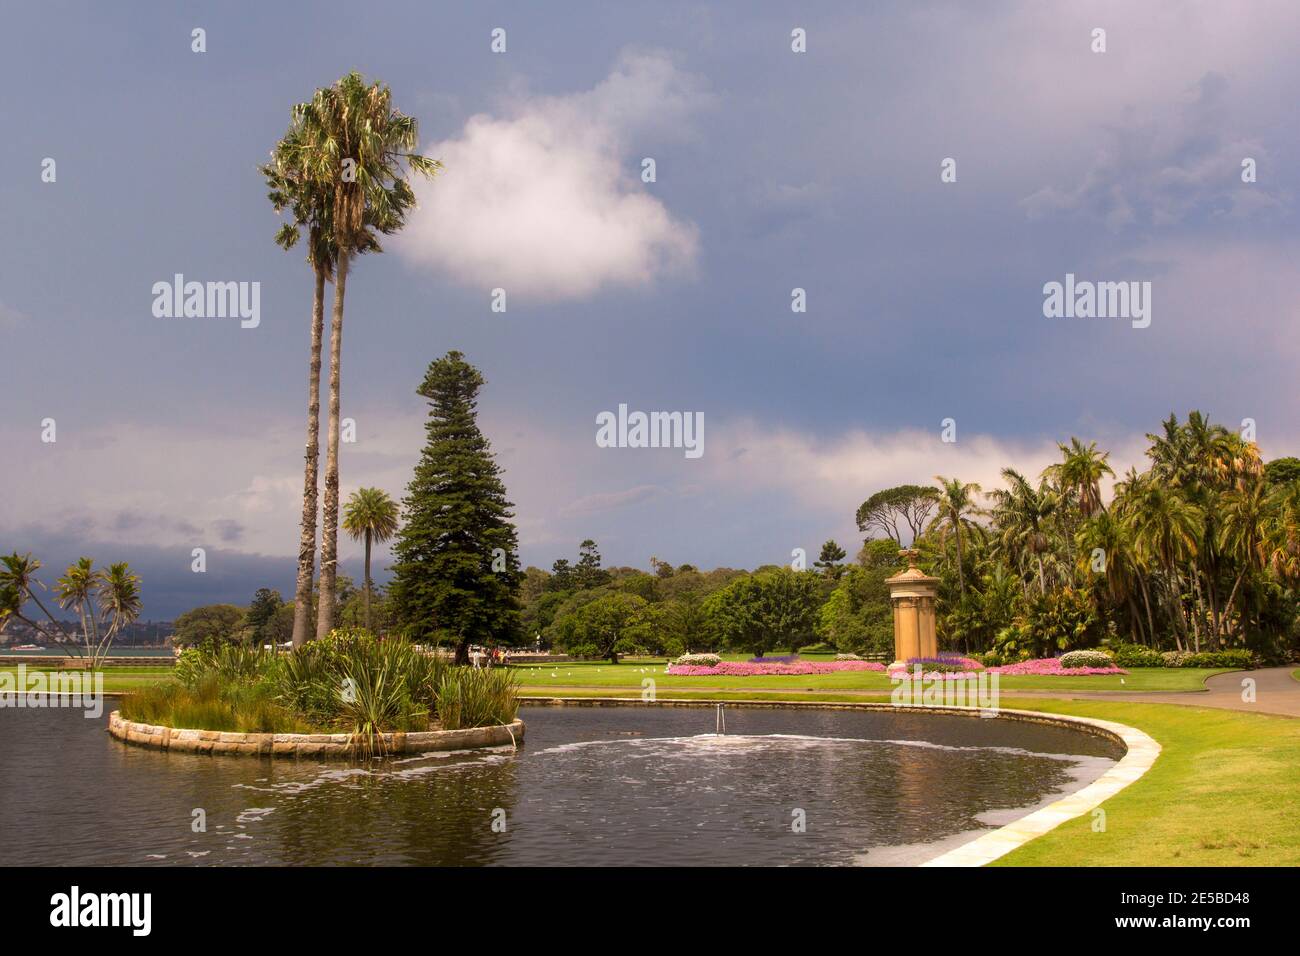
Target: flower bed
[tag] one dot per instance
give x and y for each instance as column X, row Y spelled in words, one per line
column 751, row 669
column 942, row 667
column 1051, row 667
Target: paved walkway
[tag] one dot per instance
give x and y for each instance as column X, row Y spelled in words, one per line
column 1276, row 692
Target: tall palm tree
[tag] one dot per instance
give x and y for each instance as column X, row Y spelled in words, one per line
column 311, row 207
column 1166, row 530
column 1282, row 533
column 955, row 511
column 118, row 593
column 1021, row 514
column 370, row 515
column 76, row 589
column 1105, row 532
column 353, row 146
column 1243, row 536
column 1081, row 470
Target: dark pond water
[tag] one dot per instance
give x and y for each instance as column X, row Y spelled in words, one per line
column 592, row 786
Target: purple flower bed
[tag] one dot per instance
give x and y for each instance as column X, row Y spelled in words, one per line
column 752, row 669
column 788, row 659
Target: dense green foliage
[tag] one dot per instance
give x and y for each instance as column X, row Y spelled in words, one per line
column 1198, row 554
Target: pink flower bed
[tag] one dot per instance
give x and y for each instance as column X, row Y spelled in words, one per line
column 907, row 671
column 1052, row 666
column 748, row 669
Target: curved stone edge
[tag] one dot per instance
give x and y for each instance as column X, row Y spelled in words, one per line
column 1141, row 751
column 307, row 745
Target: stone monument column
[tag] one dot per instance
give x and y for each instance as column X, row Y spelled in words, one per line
column 912, row 592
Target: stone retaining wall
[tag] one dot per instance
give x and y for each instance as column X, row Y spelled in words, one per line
column 307, row 745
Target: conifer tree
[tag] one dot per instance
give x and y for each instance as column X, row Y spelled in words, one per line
column 457, row 571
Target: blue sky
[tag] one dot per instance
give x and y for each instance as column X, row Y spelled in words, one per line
column 775, row 170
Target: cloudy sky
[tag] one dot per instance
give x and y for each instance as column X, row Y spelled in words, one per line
column 775, row 170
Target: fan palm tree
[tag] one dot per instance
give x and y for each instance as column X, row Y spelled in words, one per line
column 956, row 508
column 370, row 515
column 347, row 156
column 1081, row 470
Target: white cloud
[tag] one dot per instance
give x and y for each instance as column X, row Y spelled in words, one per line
column 546, row 201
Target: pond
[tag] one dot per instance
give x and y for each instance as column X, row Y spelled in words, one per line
column 592, row 786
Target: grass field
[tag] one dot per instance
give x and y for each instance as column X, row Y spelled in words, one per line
column 1222, row 793
column 629, row 674
column 116, row 679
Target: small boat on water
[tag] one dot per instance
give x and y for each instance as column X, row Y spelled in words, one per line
column 28, row 647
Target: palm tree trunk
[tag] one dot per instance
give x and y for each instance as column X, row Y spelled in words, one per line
column 1135, row 620
column 961, row 574
column 307, row 539
column 1151, row 618
column 1199, row 613
column 329, row 542
column 368, row 580
column 1227, row 608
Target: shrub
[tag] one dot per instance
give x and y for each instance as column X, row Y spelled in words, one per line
column 1135, row 655
column 698, row 660
column 352, row 680
column 847, row 657
column 1236, row 658
column 1086, row 659
column 476, row 697
column 230, row 663
column 210, row 704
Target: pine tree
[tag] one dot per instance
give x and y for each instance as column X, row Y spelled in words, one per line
column 830, row 558
column 588, row 572
column 457, row 570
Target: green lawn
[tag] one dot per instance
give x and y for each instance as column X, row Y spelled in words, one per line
column 116, row 679
column 629, row 674
column 1222, row 793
